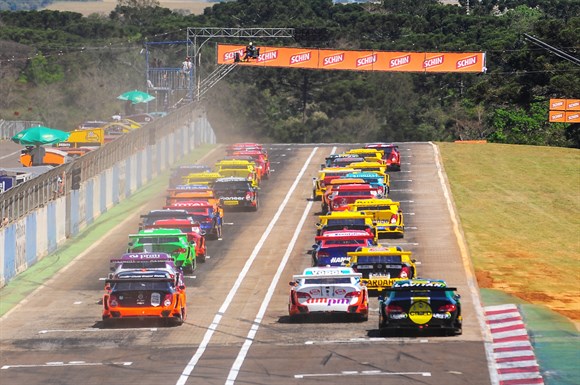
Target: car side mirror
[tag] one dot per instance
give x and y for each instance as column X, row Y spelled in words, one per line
column 181, row 287
column 292, row 283
column 202, row 232
column 318, row 225
column 456, row 297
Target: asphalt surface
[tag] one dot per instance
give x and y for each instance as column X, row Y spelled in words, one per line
column 237, row 330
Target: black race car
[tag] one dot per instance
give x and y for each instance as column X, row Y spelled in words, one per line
column 420, row 305
column 236, row 192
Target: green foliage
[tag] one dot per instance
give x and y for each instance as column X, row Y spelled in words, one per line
column 508, row 104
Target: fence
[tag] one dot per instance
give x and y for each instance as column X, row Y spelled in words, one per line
column 44, row 211
column 9, row 128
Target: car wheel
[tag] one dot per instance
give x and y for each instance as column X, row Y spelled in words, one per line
column 364, row 317
column 178, row 320
column 255, row 208
column 202, row 258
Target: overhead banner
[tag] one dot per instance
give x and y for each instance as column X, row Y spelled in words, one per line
column 327, row 59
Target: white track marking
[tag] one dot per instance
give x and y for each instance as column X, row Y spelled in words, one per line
column 471, row 282
column 363, row 373
column 258, row 320
column 93, row 330
column 225, row 305
column 9, row 155
column 382, row 340
column 61, row 364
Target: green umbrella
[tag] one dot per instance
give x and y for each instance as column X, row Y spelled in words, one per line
column 136, row 96
column 39, row 135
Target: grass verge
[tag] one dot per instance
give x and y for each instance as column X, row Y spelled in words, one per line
column 520, row 211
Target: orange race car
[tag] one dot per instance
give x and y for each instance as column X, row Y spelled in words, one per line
column 145, row 294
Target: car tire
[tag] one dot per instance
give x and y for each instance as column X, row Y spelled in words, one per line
column 108, row 323
column 202, row 258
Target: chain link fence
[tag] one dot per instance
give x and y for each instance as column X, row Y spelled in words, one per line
column 9, row 128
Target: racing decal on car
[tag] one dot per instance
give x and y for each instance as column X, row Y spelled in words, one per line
column 420, row 312
column 328, row 301
column 379, row 282
column 155, row 299
column 339, row 259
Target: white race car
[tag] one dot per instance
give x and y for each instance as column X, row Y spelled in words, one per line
column 328, row 290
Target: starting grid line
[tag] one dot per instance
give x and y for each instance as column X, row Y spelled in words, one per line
column 70, row 363
column 362, row 373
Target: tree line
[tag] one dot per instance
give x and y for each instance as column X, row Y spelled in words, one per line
column 62, row 60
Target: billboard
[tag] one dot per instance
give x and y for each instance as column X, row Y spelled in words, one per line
column 564, row 110
column 332, row 59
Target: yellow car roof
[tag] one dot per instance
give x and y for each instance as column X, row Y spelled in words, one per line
column 375, row 202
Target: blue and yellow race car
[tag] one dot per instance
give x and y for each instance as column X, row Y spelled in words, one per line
column 420, row 305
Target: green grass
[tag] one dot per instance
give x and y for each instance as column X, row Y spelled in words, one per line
column 520, row 211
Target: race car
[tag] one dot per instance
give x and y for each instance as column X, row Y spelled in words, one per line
column 187, row 226
column 208, row 215
column 381, row 266
column 239, row 168
column 369, row 166
column 331, row 247
column 343, row 195
column 331, row 186
column 391, row 154
column 261, row 160
column 147, row 293
column 170, row 241
column 346, row 220
column 132, row 261
column 420, row 304
column 328, row 290
column 387, row 215
column 380, row 180
column 236, row 192
column 324, row 177
column 199, row 178
column 154, row 215
column 183, row 193
column 341, row 160
column 177, row 174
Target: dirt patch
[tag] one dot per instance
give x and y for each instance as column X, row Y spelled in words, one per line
column 484, row 279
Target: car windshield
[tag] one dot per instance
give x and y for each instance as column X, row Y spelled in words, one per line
column 139, row 286
column 227, row 186
column 373, row 208
column 144, row 265
column 363, row 259
column 355, row 193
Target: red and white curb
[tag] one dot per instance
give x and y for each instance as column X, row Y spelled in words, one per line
column 513, row 354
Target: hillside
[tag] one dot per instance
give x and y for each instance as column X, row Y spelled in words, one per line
column 104, row 7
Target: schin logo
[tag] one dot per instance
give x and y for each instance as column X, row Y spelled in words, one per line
column 363, row 61
column 232, row 54
column 433, row 62
column 467, row 62
column 334, row 59
column 400, row 61
column 300, row 58
column 268, row 56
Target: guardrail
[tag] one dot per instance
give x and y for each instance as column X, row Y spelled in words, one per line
column 37, row 192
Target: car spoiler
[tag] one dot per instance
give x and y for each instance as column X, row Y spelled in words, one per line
column 420, row 288
column 353, row 275
column 138, row 279
column 344, row 237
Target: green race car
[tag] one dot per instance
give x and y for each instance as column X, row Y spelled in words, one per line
column 170, row 241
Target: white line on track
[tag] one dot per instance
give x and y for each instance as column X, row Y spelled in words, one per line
column 371, row 340
column 9, row 155
column 401, row 190
column 401, row 180
column 258, row 320
column 61, row 364
column 363, row 373
column 225, row 305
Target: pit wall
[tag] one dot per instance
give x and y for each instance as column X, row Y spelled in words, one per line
column 29, row 239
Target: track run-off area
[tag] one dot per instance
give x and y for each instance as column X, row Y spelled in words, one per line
column 237, row 330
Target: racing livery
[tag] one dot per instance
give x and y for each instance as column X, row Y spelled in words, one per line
column 328, row 290
column 381, row 266
column 140, row 294
column 387, row 215
column 391, row 154
column 170, row 241
column 420, row 304
column 208, row 215
column 236, row 192
column 331, row 247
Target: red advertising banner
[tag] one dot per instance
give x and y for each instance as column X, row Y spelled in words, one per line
column 327, row 59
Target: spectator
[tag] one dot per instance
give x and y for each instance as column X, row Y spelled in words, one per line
column 4, row 222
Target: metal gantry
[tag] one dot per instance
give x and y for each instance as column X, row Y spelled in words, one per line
column 198, row 36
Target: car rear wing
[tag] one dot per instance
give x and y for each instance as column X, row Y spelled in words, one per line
column 321, row 276
column 420, row 288
column 379, row 253
column 344, row 237
column 138, row 279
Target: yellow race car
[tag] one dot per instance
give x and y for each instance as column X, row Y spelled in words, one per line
column 380, row 266
column 387, row 215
